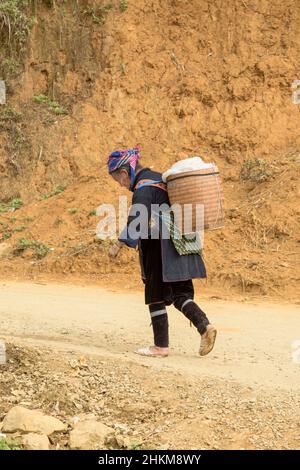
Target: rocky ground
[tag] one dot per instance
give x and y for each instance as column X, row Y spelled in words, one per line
column 95, row 403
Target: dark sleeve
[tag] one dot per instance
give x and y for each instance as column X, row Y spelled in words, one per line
column 137, row 226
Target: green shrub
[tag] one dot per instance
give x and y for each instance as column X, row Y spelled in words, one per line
column 15, row 24
column 123, row 5
column 73, row 210
column 7, row 444
column 11, row 67
column 256, row 170
column 13, row 204
column 19, row 229
column 57, row 221
column 40, row 249
column 8, row 114
column 58, row 190
column 53, row 106
column 97, row 12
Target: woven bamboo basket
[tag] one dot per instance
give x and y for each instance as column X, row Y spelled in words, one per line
column 199, row 187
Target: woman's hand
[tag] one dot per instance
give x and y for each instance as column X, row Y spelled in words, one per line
column 114, row 249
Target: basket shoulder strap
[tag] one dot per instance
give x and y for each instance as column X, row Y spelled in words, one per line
column 155, row 183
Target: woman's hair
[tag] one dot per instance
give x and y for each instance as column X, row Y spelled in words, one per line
column 127, row 167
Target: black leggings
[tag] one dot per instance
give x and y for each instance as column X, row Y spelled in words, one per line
column 183, row 300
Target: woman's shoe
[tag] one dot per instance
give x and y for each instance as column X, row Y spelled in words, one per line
column 208, row 340
column 153, row 351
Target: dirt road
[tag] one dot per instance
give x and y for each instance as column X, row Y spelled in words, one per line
column 245, row 395
column 254, row 342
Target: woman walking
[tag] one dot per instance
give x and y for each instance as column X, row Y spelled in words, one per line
column 167, row 275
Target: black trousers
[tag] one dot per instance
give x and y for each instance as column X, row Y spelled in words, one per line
column 183, row 300
column 159, row 294
column 156, row 290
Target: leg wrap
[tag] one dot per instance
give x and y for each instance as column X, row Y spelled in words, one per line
column 160, row 324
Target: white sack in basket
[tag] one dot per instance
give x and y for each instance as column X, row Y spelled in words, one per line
column 189, row 164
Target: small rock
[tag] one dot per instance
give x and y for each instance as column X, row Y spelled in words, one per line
column 89, row 435
column 22, row 419
column 141, row 408
column 123, row 442
column 33, row 441
column 4, row 249
column 73, row 363
column 64, row 331
column 2, row 92
column 122, row 427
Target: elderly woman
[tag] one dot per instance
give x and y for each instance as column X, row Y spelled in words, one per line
column 167, row 275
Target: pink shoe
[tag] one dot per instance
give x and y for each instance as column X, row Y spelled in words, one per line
column 153, row 351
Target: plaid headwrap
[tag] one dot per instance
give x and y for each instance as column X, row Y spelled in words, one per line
column 120, row 158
